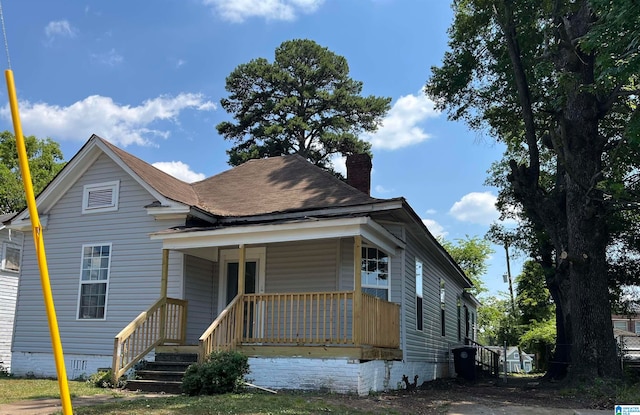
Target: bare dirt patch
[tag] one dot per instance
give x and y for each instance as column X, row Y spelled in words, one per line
column 436, row 397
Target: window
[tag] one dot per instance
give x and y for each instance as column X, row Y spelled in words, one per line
column 94, row 279
column 459, row 308
column 419, row 317
column 375, row 272
column 10, row 257
column 102, row 197
column 620, row 324
column 637, row 327
column 442, row 307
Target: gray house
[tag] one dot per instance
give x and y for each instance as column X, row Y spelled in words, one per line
column 10, row 254
column 321, row 285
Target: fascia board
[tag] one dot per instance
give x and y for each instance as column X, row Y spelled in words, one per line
column 261, row 234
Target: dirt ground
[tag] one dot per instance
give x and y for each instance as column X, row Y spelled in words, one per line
column 436, row 397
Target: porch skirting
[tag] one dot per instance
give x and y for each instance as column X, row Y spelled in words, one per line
column 337, row 375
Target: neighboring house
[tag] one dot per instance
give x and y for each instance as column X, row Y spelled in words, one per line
column 514, row 363
column 626, row 323
column 10, row 254
column 321, row 285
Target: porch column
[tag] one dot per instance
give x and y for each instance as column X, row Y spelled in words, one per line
column 165, row 273
column 164, row 282
column 357, row 289
column 242, row 254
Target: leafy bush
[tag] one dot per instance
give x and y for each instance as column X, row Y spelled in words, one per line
column 104, row 379
column 222, row 372
column 4, row 373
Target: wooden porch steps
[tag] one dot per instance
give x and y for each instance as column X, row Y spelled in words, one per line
column 166, row 372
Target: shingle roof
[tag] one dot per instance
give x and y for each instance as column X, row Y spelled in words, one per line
column 263, row 186
column 275, row 184
column 164, row 183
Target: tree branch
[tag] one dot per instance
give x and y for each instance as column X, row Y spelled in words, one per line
column 524, row 94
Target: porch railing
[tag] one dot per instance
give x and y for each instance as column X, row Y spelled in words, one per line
column 164, row 322
column 487, row 360
column 380, row 323
column 223, row 333
column 310, row 319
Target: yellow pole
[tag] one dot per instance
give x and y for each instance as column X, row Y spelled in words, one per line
column 38, row 240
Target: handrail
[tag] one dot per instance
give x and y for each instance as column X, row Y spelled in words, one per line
column 486, row 358
column 146, row 332
column 222, row 334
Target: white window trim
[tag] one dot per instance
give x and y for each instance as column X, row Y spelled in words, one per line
column 388, row 273
column 420, row 280
column 80, row 283
column 3, row 265
column 115, row 191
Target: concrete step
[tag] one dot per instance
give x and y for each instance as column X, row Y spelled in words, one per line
column 154, row 386
column 176, row 357
column 162, row 375
column 167, row 366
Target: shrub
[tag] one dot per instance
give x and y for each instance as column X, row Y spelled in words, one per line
column 104, row 379
column 222, row 372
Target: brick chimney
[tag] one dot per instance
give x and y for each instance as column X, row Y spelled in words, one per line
column 359, row 172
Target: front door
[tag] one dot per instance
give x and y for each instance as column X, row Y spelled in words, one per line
column 253, row 283
column 250, row 280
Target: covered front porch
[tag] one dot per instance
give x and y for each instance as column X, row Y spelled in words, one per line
column 347, row 322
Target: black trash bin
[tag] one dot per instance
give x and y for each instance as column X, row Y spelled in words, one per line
column 464, row 359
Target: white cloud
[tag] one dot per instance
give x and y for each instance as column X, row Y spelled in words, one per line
column 120, row 124
column 476, row 207
column 59, row 28
column 339, row 164
column 111, row 58
column 434, row 227
column 238, row 10
column 431, row 212
column 401, row 127
column 382, row 189
column 180, row 62
column 179, row 170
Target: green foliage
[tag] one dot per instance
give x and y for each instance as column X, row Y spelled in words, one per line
column 540, row 339
column 45, row 161
column 532, row 296
column 304, row 102
column 497, row 323
column 471, row 254
column 104, row 379
column 222, row 372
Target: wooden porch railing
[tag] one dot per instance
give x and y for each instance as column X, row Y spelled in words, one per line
column 310, row 319
column 164, row 322
column 380, row 323
column 223, row 333
column 299, row 318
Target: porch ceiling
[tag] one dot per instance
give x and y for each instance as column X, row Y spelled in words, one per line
column 296, row 230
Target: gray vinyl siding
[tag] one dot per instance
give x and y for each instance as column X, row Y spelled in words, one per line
column 201, row 288
column 429, row 345
column 135, row 272
column 346, row 265
column 303, row 266
column 8, row 297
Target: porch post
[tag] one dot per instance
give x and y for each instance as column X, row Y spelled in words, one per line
column 242, row 254
column 164, row 281
column 357, row 289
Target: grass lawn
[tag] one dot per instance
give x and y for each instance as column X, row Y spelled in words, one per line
column 14, row 389
column 246, row 403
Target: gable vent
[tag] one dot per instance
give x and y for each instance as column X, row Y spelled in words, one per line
column 100, row 198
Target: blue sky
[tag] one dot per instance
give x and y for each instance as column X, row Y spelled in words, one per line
column 149, row 76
